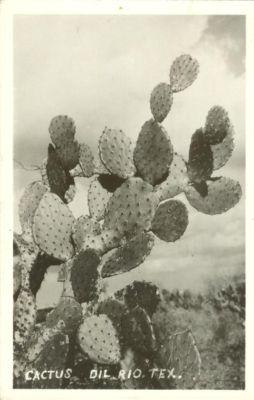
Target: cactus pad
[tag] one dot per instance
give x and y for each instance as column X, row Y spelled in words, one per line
column 217, row 125
column 176, row 181
column 132, row 207
column 116, row 152
column 98, row 338
column 59, row 179
column 153, row 153
column 62, row 130
column 170, row 220
column 84, row 275
column 161, row 101
column 128, row 256
column 52, row 227
column 24, row 315
column 68, row 154
column 29, row 203
column 86, row 160
column 200, row 164
column 83, row 226
column 139, row 333
column 67, row 310
column 144, row 294
column 223, row 194
column 98, row 198
column 184, row 358
column 183, row 72
column 222, row 151
column 107, row 240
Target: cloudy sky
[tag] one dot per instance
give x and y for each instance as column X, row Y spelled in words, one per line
column 100, row 70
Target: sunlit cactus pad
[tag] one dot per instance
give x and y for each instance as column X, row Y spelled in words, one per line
column 98, row 338
column 52, row 227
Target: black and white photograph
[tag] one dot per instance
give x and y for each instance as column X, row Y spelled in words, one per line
column 129, row 202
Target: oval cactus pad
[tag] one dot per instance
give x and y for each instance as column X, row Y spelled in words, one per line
column 98, row 338
column 52, row 227
column 223, row 151
column 83, row 226
column 132, row 207
column 161, row 101
column 84, row 275
column 223, row 194
column 116, row 152
column 200, row 164
column 183, row 72
column 86, row 160
column 62, row 130
column 68, row 154
column 128, row 256
column 176, row 181
column 184, row 358
column 98, row 198
column 170, row 220
column 153, row 153
column 217, row 125
column 29, row 202
column 24, row 314
column 59, row 178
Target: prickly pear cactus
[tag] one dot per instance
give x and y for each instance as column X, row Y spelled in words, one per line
column 153, row 140
column 59, row 178
column 144, row 294
column 82, row 227
column 132, row 205
column 29, row 203
column 200, row 164
column 98, row 338
column 170, row 220
column 129, row 255
column 223, row 194
column 183, row 72
column 161, row 101
column 116, row 152
column 62, row 130
column 24, row 315
column 223, row 150
column 51, row 233
column 86, row 160
column 217, row 125
column 131, row 208
column 98, row 198
column 68, row 155
column 84, row 275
